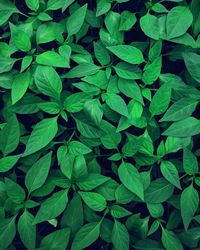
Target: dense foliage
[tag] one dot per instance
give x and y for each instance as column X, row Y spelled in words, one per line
column 100, row 124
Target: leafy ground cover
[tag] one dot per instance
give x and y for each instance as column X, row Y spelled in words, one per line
column 99, row 134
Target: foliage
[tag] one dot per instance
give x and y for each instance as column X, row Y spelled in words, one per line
column 99, row 124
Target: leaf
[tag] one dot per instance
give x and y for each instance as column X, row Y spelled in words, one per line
column 192, row 63
column 119, row 212
column 127, row 21
column 170, row 240
column 55, row 4
column 101, row 54
column 181, row 109
column 187, row 127
column 159, row 191
column 116, row 103
column 75, row 21
column 48, row 32
column 84, row 69
column 56, row 240
column 127, row 71
column 120, row 236
column 42, row 134
column 14, row 191
column 150, row 26
column 169, row 171
column 189, row 205
column 94, row 110
column 75, row 102
column 103, row 6
column 27, row 230
column 127, row 53
column 51, row 58
column 91, row 181
column 21, row 40
column 73, row 214
column 7, row 8
column 8, row 162
column 20, row 86
column 10, row 135
column 190, row 163
column 161, row 100
column 179, row 19
column 152, row 71
column 77, row 148
column 52, row 207
column 33, row 4
column 7, row 232
column 131, row 179
column 88, row 234
column 131, row 89
column 48, row 81
column 37, row 174
column 94, row 200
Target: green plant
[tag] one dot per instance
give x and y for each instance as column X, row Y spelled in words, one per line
column 100, row 124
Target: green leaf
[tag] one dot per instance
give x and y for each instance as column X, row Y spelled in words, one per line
column 179, row 19
column 21, row 40
column 77, row 148
column 159, row 191
column 42, row 134
column 75, row 102
column 170, row 240
column 88, row 234
column 192, row 63
column 101, row 53
column 120, row 236
column 20, row 86
column 56, row 240
column 55, row 4
column 7, row 232
column 131, row 179
column 8, row 162
column 179, row 110
column 84, row 69
column 75, row 21
column 91, row 181
column 119, row 212
column 131, row 89
column 161, row 100
column 27, row 230
column 14, row 191
column 48, row 32
column 10, row 135
column 51, row 58
column 127, row 71
column 169, row 171
column 187, row 127
column 73, row 214
column 33, row 4
column 189, row 204
column 37, row 174
column 127, row 53
column 7, row 8
column 190, row 163
column 152, row 71
column 127, row 21
column 6, row 63
column 48, row 81
column 94, row 200
column 116, row 103
column 103, row 6
column 52, row 207
column 150, row 26
column 93, row 109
